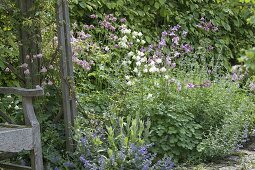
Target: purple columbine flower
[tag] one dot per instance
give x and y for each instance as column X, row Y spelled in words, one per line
column 143, row 150
column 86, row 163
column 184, row 33
column 101, row 162
column 164, row 33
column 113, row 19
column 234, row 77
column 143, row 49
column 133, row 147
column 187, row 48
column 176, row 54
column 112, row 28
column 162, row 43
column 68, row 164
column 252, row 86
column 87, row 35
column 93, row 16
column 168, row 163
column 168, row 60
column 210, row 47
column 175, row 40
column 123, row 20
column 172, row 34
column 176, row 28
column 84, row 140
column 190, row 85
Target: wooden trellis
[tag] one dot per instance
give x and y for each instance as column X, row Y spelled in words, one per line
column 30, row 45
column 68, row 91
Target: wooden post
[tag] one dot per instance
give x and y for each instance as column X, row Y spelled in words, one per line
column 66, row 65
column 29, row 44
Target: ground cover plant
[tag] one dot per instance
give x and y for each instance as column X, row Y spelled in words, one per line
column 154, row 89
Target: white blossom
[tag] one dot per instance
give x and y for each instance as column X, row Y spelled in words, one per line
column 140, row 34
column 138, row 63
column 163, row 69
column 158, row 60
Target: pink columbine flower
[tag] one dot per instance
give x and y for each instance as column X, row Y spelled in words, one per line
column 93, row 16
column 7, row 69
column 50, row 83
column 27, row 72
column 44, row 83
column 39, row 55
column 43, row 70
column 24, row 65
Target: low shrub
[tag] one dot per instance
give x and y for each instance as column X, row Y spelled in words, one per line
column 190, row 118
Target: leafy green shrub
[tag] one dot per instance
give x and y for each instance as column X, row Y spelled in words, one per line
column 153, row 15
column 189, row 116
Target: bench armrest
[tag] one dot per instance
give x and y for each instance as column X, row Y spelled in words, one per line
column 22, row 91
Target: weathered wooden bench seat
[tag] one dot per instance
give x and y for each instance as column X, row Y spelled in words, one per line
column 16, row 138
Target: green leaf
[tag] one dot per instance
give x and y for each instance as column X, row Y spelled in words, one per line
column 156, row 5
column 162, row 1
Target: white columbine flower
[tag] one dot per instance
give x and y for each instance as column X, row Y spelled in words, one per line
column 135, row 70
column 149, row 96
column 129, row 83
column 131, row 53
column 144, row 59
column 152, row 63
column 140, row 34
column 138, row 63
column 143, row 42
column 137, row 40
column 16, row 107
column 134, row 33
column 153, row 69
column 158, row 60
column 128, row 31
column 145, row 70
column 140, row 53
column 163, row 69
column 124, row 63
column 124, row 39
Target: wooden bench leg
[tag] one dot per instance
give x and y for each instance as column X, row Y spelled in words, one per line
column 36, row 153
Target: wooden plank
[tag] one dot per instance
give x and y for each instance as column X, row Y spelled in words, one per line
column 9, row 166
column 21, row 91
column 6, row 155
column 36, row 153
column 15, row 139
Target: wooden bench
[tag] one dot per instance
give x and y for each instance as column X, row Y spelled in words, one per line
column 16, row 138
